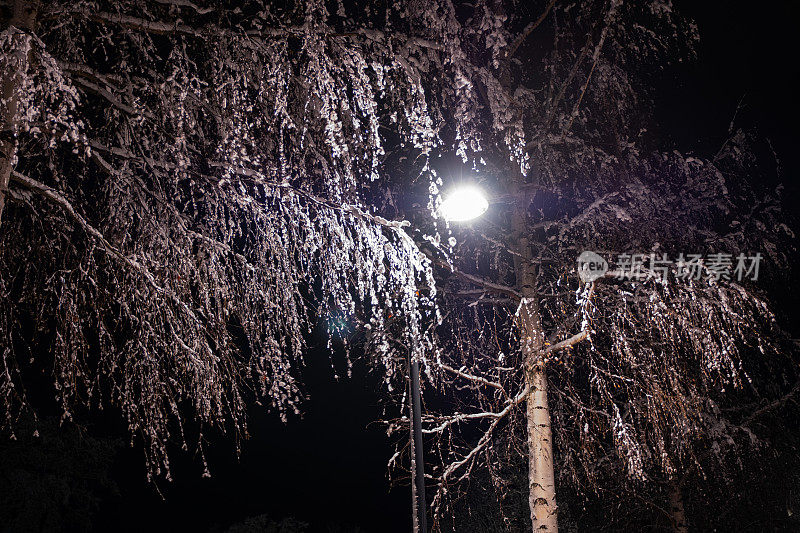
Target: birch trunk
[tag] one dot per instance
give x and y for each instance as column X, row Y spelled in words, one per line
column 677, row 510
column 541, row 477
column 12, row 70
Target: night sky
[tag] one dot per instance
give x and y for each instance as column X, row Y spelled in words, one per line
column 328, row 467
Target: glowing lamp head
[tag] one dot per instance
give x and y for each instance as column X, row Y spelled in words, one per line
column 464, row 204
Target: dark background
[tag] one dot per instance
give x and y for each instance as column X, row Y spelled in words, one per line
column 328, row 468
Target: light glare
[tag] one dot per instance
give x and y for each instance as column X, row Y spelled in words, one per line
column 464, row 204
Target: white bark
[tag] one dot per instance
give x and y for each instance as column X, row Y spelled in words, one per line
column 541, row 477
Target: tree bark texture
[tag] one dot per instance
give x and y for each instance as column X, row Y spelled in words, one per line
column 677, row 510
column 541, row 477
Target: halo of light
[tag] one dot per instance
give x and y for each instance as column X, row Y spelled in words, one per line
column 464, row 203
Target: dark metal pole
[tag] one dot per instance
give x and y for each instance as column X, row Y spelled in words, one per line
column 417, row 454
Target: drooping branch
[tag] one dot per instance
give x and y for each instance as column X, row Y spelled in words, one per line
column 472, row 377
column 66, row 206
column 595, row 57
column 482, row 443
column 257, row 178
column 447, row 421
column 514, row 46
column 490, row 286
column 771, row 406
column 178, row 28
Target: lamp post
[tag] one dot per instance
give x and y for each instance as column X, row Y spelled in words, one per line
column 417, row 455
column 461, row 205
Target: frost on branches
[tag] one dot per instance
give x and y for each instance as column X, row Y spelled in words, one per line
column 187, row 187
column 642, row 372
column 638, row 375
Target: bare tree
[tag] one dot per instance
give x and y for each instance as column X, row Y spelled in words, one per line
column 627, row 372
column 189, row 186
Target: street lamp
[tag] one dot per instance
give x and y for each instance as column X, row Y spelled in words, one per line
column 419, row 507
column 462, row 204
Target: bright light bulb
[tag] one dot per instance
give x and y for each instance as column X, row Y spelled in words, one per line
column 463, row 204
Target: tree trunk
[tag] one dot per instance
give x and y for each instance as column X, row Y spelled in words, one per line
column 676, row 510
column 541, row 476
column 12, row 70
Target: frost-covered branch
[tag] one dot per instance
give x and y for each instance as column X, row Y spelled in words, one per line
column 222, row 167
column 566, row 343
column 471, row 377
column 525, row 33
column 444, row 479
